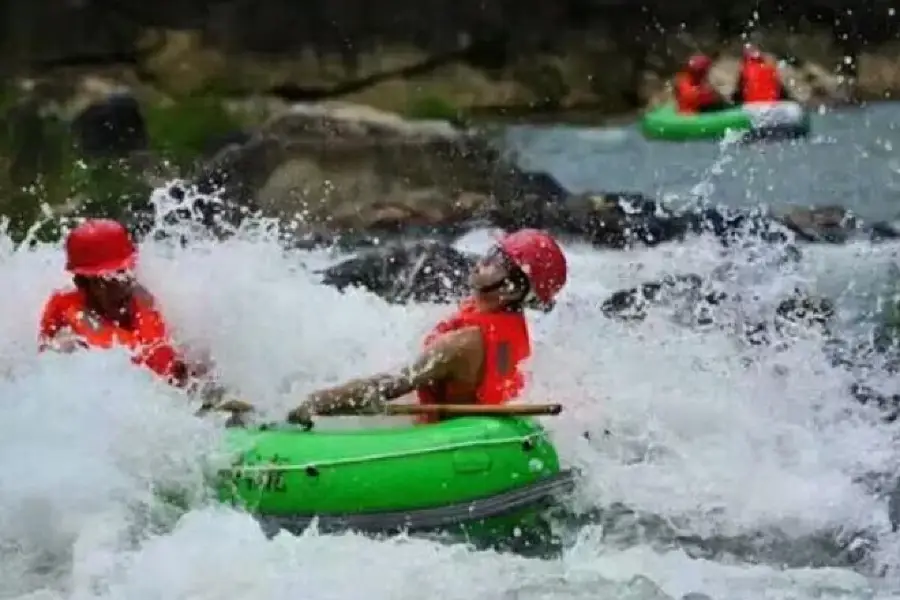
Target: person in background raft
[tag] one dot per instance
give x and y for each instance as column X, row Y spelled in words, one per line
column 693, row 91
column 107, row 307
column 473, row 357
column 758, row 79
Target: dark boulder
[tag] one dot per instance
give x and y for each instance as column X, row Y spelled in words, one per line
column 633, row 304
column 796, row 313
column 621, row 219
column 888, row 404
column 32, row 142
column 608, row 219
column 694, row 301
column 801, row 309
column 420, row 272
column 111, row 128
column 835, row 225
column 218, row 142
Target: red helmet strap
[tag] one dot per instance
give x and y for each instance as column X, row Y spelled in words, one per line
column 514, row 281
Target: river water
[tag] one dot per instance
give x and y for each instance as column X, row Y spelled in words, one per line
column 734, row 471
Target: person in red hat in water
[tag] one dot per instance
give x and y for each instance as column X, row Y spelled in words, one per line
column 474, row 356
column 693, row 91
column 106, row 307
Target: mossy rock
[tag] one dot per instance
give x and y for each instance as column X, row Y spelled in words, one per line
column 434, row 108
column 46, row 178
column 182, row 130
column 545, row 81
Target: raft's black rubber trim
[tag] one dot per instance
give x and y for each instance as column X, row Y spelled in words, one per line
column 776, row 133
column 544, row 491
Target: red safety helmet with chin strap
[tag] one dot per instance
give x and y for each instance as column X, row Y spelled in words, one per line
column 540, row 259
column 699, row 65
column 751, row 53
column 99, row 247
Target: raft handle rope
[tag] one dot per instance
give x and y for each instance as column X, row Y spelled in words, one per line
column 268, row 468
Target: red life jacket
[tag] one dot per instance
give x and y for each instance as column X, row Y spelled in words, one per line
column 506, row 345
column 148, row 341
column 760, row 82
column 691, row 95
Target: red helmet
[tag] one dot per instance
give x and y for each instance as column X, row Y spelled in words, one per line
column 99, row 247
column 699, row 64
column 751, row 52
column 541, row 260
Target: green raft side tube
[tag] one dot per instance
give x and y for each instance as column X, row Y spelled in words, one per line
column 666, row 123
column 287, row 472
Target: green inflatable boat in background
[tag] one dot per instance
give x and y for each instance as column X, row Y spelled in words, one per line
column 778, row 120
column 487, row 477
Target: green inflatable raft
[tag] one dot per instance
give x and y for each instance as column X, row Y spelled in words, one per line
column 757, row 121
column 488, row 477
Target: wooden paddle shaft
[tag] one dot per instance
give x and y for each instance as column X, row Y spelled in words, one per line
column 473, row 409
column 232, row 406
column 239, row 406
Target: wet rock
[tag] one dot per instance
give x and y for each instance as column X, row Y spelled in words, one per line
column 632, row 304
column 696, row 302
column 883, row 231
column 421, row 272
column 111, row 128
column 352, row 168
column 832, row 224
column 617, row 219
column 217, row 143
column 821, row 224
column 835, row 225
column 624, row 219
column 339, row 170
column 800, row 309
column 32, row 142
column 793, row 315
column 887, row 403
column 735, row 227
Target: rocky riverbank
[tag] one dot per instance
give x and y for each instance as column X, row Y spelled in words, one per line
column 330, row 172
column 433, row 58
column 102, row 103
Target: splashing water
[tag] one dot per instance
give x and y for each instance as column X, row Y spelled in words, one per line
column 692, row 436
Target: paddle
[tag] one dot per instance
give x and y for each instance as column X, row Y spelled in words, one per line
column 448, row 410
column 472, row 409
column 239, row 407
column 456, row 410
column 233, row 406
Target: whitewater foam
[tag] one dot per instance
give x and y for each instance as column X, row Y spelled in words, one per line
column 708, row 437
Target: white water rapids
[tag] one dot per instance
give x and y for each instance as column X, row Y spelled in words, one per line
column 712, row 443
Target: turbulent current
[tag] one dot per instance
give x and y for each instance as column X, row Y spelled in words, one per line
column 710, row 466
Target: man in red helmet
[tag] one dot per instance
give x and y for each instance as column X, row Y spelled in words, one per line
column 107, row 307
column 475, row 356
column 758, row 79
column 693, row 91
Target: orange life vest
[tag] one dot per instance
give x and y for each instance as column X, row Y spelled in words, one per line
column 760, row 82
column 148, row 341
column 506, row 345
